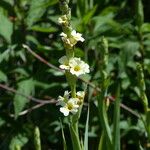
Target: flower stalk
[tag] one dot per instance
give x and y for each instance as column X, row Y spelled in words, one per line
column 144, row 98
column 106, row 134
column 37, row 141
column 71, row 103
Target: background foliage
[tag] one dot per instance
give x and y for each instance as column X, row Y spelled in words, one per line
column 34, row 23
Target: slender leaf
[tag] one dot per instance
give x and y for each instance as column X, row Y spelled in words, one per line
column 86, row 131
column 6, row 26
column 3, row 76
column 116, row 128
column 26, row 87
column 63, row 137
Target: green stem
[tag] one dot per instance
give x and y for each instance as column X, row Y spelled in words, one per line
column 101, row 145
column 116, row 130
column 73, row 91
column 104, row 120
column 148, row 123
column 71, row 79
column 74, row 134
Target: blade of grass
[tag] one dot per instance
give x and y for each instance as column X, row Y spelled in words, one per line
column 116, row 129
column 86, row 131
column 63, row 136
column 104, row 120
column 101, row 142
column 75, row 139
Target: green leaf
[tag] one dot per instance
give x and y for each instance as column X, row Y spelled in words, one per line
column 75, row 139
column 44, row 29
column 6, row 26
column 86, row 131
column 9, row 1
column 145, row 27
column 18, row 141
column 116, row 128
column 139, row 13
column 88, row 16
column 140, row 147
column 148, row 122
column 37, row 9
column 102, row 142
column 2, row 121
column 63, row 137
column 21, row 71
column 3, row 76
column 25, row 87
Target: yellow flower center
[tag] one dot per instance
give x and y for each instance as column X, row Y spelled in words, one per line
column 77, row 68
column 70, row 106
column 80, row 101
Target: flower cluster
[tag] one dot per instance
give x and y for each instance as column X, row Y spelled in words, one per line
column 63, row 20
column 72, row 39
column 75, row 65
column 69, row 104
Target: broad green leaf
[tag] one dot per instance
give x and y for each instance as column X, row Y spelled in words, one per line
column 18, row 141
column 9, row 1
column 6, row 26
column 21, row 71
column 145, row 27
column 2, row 121
column 3, row 76
column 25, row 87
column 37, row 9
column 109, row 10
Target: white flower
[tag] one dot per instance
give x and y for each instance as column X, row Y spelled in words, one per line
column 77, row 36
column 63, row 20
column 71, row 106
column 65, row 39
column 62, row 100
column 63, row 35
column 80, row 95
column 72, row 39
column 64, row 63
column 78, row 67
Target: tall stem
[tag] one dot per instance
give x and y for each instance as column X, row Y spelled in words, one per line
column 71, row 79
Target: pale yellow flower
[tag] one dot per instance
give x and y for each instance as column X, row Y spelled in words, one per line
column 71, row 106
column 78, row 67
column 80, row 95
column 63, row 20
column 72, row 39
column 62, row 100
column 64, row 63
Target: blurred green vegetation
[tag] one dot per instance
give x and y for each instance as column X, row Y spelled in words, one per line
column 124, row 23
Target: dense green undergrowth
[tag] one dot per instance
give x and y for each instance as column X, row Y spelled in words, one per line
column 124, row 23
